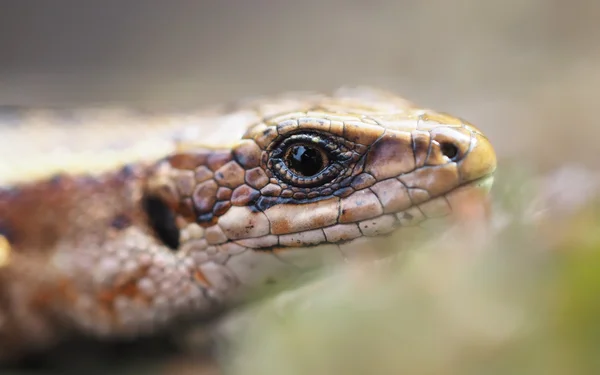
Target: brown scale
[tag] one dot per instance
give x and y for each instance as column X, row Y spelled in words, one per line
column 257, row 178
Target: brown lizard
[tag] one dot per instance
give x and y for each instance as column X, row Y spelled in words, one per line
column 119, row 223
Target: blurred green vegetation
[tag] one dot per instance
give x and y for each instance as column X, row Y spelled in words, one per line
column 523, row 299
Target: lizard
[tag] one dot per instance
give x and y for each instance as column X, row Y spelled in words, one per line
column 119, row 223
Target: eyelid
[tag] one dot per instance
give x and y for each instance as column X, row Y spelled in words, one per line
column 309, row 138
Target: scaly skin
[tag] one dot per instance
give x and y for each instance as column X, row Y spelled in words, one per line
column 115, row 242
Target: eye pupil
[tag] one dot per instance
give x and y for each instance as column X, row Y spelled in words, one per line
column 304, row 160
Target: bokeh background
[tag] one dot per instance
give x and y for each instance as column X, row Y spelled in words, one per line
column 526, row 71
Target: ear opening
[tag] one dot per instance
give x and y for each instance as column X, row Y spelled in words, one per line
column 162, row 221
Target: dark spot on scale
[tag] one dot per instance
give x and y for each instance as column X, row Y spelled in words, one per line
column 262, row 203
column 343, row 192
column 127, row 171
column 219, row 175
column 205, row 218
column 162, row 220
column 346, row 182
column 270, row 281
column 408, row 216
column 266, row 131
column 121, row 222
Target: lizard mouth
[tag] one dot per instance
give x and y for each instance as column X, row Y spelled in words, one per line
column 484, row 183
column 437, row 207
column 416, row 216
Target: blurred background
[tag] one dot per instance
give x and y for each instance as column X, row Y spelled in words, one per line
column 526, row 71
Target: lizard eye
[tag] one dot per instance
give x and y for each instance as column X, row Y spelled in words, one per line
column 308, row 160
column 305, row 160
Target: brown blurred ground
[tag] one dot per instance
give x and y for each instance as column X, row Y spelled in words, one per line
column 526, row 71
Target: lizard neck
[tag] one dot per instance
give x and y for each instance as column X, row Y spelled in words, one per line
column 38, row 216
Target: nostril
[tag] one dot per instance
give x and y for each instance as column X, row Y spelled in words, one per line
column 449, row 150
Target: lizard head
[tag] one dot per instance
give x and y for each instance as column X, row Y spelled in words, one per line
column 308, row 183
